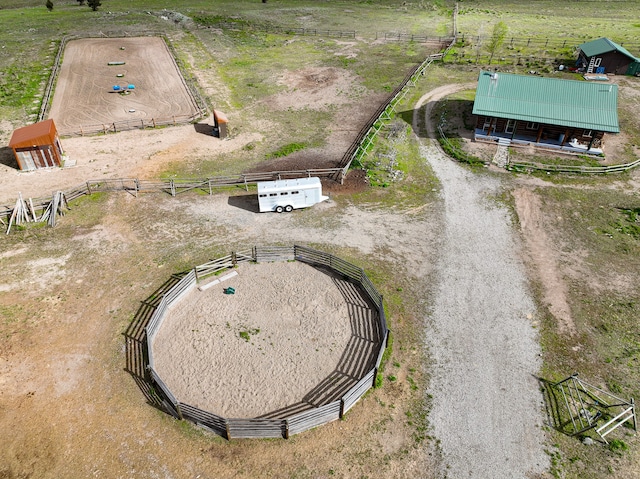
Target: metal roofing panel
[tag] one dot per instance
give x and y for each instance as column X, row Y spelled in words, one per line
column 548, row 100
column 604, row 45
column 26, row 136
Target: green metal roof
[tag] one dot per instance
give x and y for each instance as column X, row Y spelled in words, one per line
column 579, row 104
column 604, row 45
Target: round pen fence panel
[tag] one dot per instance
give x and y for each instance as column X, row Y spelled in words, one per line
column 350, row 327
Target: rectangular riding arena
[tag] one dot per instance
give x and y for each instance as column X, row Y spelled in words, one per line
column 112, row 84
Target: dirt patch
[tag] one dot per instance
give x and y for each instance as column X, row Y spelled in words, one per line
column 540, row 252
column 85, row 99
column 316, row 88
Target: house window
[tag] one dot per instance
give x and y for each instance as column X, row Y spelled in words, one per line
column 532, row 126
column 597, row 62
column 587, row 133
column 486, row 124
column 511, row 125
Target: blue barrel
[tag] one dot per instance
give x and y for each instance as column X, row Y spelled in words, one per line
column 116, row 87
column 131, row 87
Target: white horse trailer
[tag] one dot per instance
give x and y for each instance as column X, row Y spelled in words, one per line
column 286, row 195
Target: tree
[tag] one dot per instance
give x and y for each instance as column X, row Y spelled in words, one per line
column 80, row 2
column 497, row 38
column 94, row 4
column 49, row 5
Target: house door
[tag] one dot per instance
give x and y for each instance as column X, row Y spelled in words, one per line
column 510, row 126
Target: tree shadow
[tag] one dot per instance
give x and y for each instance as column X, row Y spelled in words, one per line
column 455, row 116
column 7, row 158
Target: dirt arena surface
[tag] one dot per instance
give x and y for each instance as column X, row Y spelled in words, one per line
column 296, row 326
column 84, row 98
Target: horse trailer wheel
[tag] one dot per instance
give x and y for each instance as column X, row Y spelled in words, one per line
column 279, row 209
column 288, row 208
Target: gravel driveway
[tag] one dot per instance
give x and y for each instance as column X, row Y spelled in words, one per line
column 487, row 407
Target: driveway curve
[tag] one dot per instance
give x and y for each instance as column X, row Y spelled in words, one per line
column 487, row 408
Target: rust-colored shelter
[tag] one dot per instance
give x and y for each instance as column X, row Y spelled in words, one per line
column 37, row 146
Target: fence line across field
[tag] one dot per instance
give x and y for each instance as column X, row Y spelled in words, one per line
column 173, row 186
column 232, row 428
column 365, row 138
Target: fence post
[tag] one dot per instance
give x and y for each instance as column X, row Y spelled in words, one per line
column 341, row 408
column 286, row 429
column 226, row 424
column 179, row 411
column 89, row 188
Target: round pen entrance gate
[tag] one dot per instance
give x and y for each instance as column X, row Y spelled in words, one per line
column 360, row 318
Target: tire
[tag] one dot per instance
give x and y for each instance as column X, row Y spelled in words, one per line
column 288, row 208
column 279, row 209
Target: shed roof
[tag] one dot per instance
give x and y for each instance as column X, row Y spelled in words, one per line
column 553, row 101
column 23, row 136
column 604, row 45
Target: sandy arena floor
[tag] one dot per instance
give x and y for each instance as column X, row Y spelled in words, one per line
column 298, row 327
column 84, row 98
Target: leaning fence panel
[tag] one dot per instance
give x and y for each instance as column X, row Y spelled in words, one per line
column 211, row 421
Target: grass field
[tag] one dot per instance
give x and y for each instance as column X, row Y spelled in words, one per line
column 592, row 222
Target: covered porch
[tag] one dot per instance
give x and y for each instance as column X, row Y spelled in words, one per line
column 519, row 139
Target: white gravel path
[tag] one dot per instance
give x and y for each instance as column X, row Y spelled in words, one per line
column 487, row 408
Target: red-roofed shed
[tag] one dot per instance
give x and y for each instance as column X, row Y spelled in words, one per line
column 37, row 146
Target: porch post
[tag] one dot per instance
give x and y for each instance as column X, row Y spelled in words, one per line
column 540, row 128
column 566, row 135
column 491, row 126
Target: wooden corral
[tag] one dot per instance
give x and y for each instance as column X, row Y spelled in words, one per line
column 333, row 397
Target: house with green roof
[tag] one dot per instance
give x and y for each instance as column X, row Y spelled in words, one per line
column 606, row 56
column 545, row 112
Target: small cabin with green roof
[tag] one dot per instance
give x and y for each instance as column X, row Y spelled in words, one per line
column 545, row 112
column 606, row 56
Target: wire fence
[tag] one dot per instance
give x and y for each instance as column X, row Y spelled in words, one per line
column 294, row 422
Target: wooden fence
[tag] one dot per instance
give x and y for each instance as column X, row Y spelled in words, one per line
column 173, row 186
column 365, row 138
column 267, row 427
column 199, row 103
column 521, row 166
